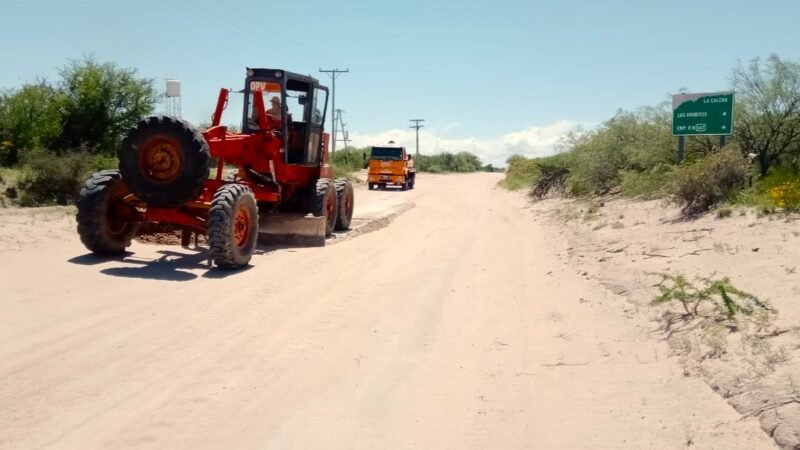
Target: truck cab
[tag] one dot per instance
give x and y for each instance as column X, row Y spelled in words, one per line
column 391, row 165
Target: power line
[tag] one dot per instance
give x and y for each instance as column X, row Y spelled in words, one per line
column 417, row 126
column 243, row 27
column 334, row 73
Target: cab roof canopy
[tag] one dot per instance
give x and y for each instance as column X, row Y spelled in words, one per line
column 280, row 73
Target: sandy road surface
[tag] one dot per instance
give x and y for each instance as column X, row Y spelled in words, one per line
column 454, row 327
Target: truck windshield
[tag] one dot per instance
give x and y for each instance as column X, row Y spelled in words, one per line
column 387, row 153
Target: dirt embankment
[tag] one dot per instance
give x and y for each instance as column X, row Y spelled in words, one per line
column 755, row 363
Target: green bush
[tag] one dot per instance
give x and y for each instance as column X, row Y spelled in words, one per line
column 711, row 180
column 433, row 169
column 552, row 176
column 646, row 185
column 47, row 179
column 595, row 168
column 630, row 151
column 521, row 173
column 760, row 192
column 103, row 162
column 342, row 172
column 345, row 162
column 781, row 188
column 448, row 162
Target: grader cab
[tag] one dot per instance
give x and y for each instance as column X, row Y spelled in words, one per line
column 281, row 185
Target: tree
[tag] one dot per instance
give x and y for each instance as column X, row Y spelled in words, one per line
column 101, row 102
column 768, row 110
column 29, row 118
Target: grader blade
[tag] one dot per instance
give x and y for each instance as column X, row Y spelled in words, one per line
column 292, row 229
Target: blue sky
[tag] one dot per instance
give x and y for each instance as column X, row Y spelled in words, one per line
column 497, row 77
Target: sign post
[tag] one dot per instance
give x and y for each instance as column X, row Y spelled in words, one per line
column 708, row 114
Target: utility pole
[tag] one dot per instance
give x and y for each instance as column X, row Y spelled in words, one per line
column 345, row 137
column 417, row 126
column 333, row 73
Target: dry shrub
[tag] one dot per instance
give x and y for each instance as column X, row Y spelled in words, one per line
column 711, row 180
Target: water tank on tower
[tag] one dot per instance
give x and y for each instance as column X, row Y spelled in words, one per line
column 173, row 88
column 173, row 98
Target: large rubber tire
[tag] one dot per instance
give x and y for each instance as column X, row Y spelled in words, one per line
column 345, row 199
column 413, row 181
column 99, row 207
column 324, row 204
column 232, row 226
column 164, row 161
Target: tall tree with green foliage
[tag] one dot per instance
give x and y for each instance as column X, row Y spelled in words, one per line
column 768, row 110
column 101, row 102
column 30, row 118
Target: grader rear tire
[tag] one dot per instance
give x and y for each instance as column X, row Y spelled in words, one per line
column 164, row 161
column 98, row 217
column 345, row 198
column 232, row 226
column 324, row 204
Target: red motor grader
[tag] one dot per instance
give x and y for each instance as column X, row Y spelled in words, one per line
column 282, row 184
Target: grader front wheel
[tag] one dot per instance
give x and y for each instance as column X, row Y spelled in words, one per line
column 101, row 226
column 345, row 200
column 324, row 204
column 233, row 226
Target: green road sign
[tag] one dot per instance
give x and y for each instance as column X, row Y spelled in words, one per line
column 702, row 114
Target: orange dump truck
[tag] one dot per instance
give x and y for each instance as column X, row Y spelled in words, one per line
column 391, row 165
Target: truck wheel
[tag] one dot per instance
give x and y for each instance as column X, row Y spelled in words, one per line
column 345, row 200
column 164, row 161
column 412, row 182
column 404, row 186
column 100, row 227
column 324, row 204
column 371, row 186
column 232, row 226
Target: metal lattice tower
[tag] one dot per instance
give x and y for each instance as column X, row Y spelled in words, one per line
column 334, row 73
column 345, row 136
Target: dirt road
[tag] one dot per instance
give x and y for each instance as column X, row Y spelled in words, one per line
column 457, row 326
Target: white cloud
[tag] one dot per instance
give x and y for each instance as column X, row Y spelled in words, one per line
column 533, row 141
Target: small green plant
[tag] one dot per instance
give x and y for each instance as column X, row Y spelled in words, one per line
column 724, row 213
column 718, row 299
column 765, row 211
column 591, row 210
